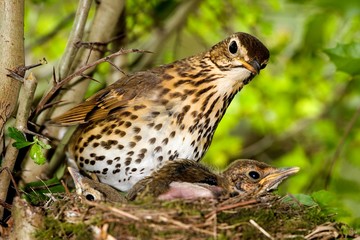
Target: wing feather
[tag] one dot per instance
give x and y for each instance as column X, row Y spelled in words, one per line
column 110, row 100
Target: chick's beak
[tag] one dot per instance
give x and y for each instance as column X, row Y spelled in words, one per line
column 272, row 180
column 253, row 66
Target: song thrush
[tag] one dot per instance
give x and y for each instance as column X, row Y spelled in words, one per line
column 187, row 179
column 130, row 128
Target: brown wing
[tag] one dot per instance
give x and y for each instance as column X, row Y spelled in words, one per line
column 110, row 100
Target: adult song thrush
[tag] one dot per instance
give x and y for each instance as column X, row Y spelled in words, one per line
column 130, row 128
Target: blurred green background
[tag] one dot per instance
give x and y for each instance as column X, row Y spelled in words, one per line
column 303, row 109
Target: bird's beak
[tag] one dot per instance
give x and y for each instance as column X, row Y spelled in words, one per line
column 253, row 66
column 272, row 180
column 77, row 177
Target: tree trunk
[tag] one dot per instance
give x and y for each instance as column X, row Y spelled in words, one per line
column 12, row 56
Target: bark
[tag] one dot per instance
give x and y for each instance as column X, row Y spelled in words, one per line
column 12, row 56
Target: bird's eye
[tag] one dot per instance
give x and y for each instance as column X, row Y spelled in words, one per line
column 254, row 175
column 233, row 47
column 90, row 197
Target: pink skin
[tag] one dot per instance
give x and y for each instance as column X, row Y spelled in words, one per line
column 185, row 190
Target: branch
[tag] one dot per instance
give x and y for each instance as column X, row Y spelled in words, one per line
column 25, row 102
column 12, row 55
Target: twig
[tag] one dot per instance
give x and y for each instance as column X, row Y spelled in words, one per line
column 113, row 210
column 232, row 206
column 261, row 229
column 51, row 93
column 185, row 226
column 76, row 35
column 6, row 169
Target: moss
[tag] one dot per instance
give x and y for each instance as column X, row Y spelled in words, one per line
column 58, row 230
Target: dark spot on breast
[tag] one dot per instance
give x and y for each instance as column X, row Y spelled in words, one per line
column 116, row 171
column 130, row 153
column 175, row 95
column 172, row 134
column 120, row 146
column 151, row 125
column 143, row 150
column 160, row 158
column 92, row 155
column 165, row 91
column 81, row 150
column 138, row 160
column 98, row 136
column 158, row 126
column 86, row 161
column 132, row 144
column 81, row 159
column 133, row 169
column 109, row 162
column 81, row 165
column 127, row 124
column 152, row 140
column 133, row 117
column 118, row 165
column 136, row 129
column 189, row 91
column 137, row 138
column 155, row 114
column 158, row 149
column 167, row 76
column 95, row 144
column 165, row 141
column 100, row 158
column 138, row 107
column 128, row 161
column 125, row 114
column 104, row 171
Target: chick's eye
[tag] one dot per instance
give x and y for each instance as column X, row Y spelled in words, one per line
column 90, row 197
column 254, row 175
column 233, row 47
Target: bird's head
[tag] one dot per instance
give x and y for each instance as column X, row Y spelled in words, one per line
column 255, row 178
column 241, row 55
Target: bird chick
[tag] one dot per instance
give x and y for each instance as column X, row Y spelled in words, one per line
column 187, row 179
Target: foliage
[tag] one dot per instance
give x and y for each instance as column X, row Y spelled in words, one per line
column 37, row 146
column 301, row 110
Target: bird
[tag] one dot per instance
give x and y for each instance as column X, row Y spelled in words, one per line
column 187, row 179
column 132, row 127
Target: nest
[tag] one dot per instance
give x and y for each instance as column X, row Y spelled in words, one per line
column 69, row 216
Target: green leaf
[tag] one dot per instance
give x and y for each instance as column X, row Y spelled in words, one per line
column 37, row 155
column 346, row 57
column 19, row 145
column 42, row 144
column 16, row 134
column 19, row 137
column 302, row 198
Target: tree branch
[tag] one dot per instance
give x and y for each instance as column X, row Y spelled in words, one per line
column 12, row 56
column 25, row 102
